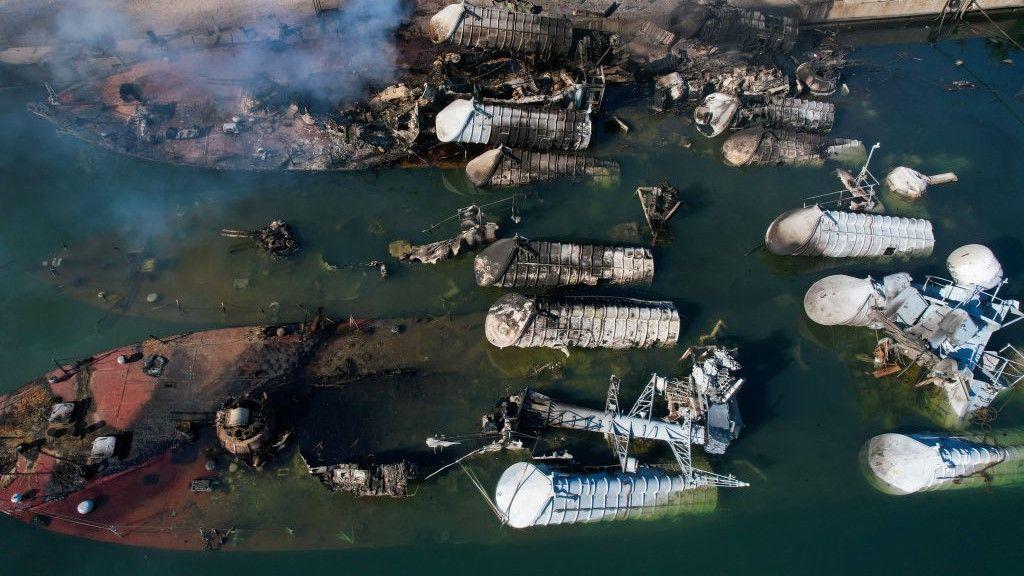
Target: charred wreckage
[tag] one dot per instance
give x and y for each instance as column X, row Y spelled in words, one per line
column 515, row 88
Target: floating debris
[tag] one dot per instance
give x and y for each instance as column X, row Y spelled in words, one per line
column 276, row 237
column 763, row 146
column 539, row 128
column 942, row 325
column 901, row 464
column 515, row 320
column 659, row 204
column 474, row 232
column 521, row 263
column 910, row 183
column 957, row 85
column 506, row 167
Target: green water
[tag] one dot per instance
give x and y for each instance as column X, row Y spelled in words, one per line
column 808, row 406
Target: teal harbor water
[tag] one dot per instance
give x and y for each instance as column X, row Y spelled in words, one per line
column 809, row 405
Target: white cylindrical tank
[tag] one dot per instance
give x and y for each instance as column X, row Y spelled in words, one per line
column 841, row 300
column 907, row 463
column 533, row 495
column 811, row 231
column 975, row 265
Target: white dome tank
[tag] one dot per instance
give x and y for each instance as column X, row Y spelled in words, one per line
column 975, row 265
column 792, row 231
column 452, row 123
column 481, row 169
column 840, row 300
column 901, row 464
column 508, row 318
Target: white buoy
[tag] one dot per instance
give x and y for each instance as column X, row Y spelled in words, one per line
column 975, row 265
column 910, row 183
column 840, row 300
column 85, row 506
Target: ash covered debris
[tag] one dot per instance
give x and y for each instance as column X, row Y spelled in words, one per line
column 474, row 231
column 525, row 78
column 521, row 263
column 505, row 167
column 467, row 26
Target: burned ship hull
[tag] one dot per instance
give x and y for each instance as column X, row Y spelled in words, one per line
column 189, row 442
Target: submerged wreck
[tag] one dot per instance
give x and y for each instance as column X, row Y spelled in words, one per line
column 518, row 321
column 765, row 147
column 720, row 112
column 164, row 442
column 474, row 230
column 504, row 167
column 856, row 229
column 701, row 410
column 521, row 263
column 901, row 464
column 943, row 326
